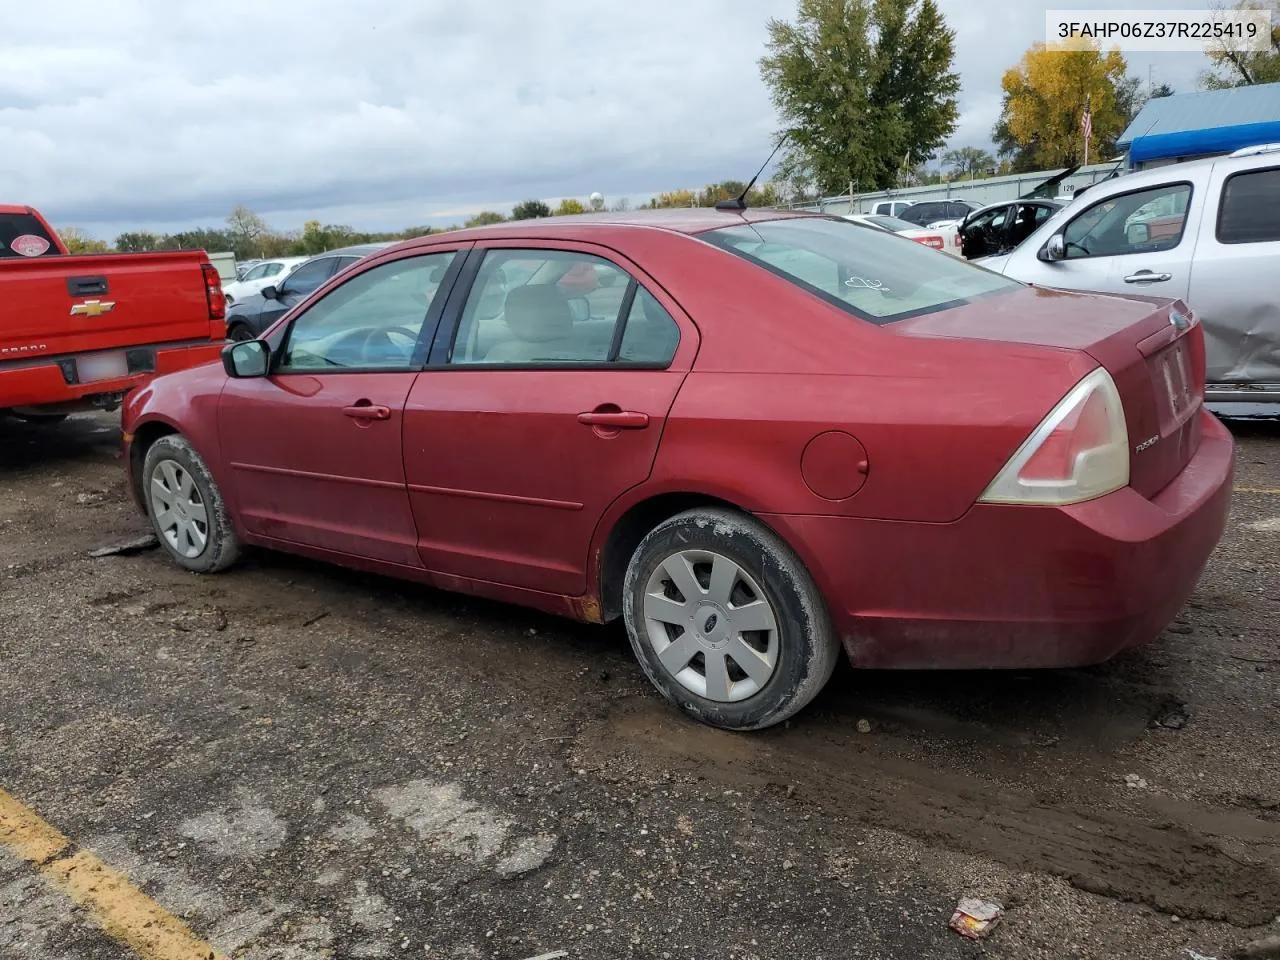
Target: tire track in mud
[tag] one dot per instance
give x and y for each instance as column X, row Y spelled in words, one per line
column 1189, row 860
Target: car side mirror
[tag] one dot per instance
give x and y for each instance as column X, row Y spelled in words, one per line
column 271, row 292
column 1137, row 233
column 247, row 358
column 1055, row 249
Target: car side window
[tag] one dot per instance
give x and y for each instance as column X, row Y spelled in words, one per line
column 1145, row 221
column 992, row 220
column 531, row 307
column 651, row 335
column 257, row 272
column 371, row 322
column 1250, row 209
column 308, row 277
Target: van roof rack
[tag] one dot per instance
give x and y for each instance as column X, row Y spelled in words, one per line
column 1255, row 150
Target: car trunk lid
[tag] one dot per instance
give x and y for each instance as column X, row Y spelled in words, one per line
column 1153, row 349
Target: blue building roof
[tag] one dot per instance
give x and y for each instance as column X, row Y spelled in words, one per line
column 1192, row 124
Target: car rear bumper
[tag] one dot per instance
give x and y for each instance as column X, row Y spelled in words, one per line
column 55, row 385
column 1019, row 587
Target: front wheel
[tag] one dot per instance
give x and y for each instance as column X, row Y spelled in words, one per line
column 239, row 332
column 186, row 508
column 725, row 620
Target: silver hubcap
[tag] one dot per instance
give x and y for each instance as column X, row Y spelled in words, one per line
column 710, row 625
column 181, row 516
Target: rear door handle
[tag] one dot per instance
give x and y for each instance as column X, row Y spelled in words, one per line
column 367, row 411
column 1146, row 276
column 617, row 420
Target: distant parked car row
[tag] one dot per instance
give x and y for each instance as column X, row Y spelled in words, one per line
column 252, row 312
column 258, row 275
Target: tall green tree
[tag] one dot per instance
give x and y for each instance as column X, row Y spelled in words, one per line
column 865, row 89
column 530, row 210
column 1243, row 68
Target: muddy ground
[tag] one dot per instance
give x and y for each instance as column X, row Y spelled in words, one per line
column 303, row 762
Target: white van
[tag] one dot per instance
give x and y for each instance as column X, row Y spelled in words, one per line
column 1206, row 232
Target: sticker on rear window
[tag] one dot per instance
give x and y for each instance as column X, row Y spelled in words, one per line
column 29, row 245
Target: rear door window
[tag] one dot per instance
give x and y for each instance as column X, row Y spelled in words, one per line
column 1250, row 209
column 21, row 235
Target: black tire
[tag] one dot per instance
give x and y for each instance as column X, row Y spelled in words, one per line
column 239, row 332
column 807, row 645
column 222, row 547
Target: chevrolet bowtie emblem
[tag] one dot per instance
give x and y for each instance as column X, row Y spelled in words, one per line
column 92, row 308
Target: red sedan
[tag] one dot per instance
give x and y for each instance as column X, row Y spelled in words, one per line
column 754, row 436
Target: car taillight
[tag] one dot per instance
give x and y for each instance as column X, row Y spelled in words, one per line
column 213, row 292
column 934, row 242
column 1080, row 450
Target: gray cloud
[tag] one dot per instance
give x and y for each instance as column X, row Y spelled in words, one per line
column 390, row 112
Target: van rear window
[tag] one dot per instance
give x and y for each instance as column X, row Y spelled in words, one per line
column 21, row 235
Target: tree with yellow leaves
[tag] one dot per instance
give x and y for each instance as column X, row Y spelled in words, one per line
column 1045, row 96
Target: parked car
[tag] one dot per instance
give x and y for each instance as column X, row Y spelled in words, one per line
column 249, row 316
column 890, row 208
column 926, row 212
column 935, row 239
column 1204, row 231
column 753, row 435
column 79, row 332
column 1000, row 227
column 244, row 266
column 262, row 274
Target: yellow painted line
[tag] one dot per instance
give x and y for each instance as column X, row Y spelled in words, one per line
column 124, row 912
column 1267, row 490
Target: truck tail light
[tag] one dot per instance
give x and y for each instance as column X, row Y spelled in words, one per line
column 213, row 292
column 1078, row 452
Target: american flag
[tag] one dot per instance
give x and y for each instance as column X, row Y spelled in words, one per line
column 1086, row 122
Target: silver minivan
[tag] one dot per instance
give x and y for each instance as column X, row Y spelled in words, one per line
column 1206, row 232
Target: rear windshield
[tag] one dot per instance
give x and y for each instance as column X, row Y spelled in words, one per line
column 22, row 236
column 876, row 276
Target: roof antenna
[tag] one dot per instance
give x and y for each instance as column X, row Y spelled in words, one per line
column 740, row 203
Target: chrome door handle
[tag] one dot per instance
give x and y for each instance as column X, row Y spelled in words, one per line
column 1146, row 276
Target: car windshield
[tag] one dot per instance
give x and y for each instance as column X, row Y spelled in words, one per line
column 875, row 277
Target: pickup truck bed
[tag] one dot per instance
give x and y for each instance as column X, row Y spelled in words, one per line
column 78, row 332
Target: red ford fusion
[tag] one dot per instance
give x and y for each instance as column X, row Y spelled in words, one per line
column 757, row 437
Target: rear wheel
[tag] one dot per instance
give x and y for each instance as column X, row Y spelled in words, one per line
column 186, row 508
column 725, row 620
column 239, row 332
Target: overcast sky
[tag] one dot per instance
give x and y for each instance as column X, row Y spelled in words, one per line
column 158, row 114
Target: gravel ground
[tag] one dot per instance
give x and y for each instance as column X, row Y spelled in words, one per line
column 304, row 762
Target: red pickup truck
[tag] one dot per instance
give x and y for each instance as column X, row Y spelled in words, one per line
column 79, row 332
